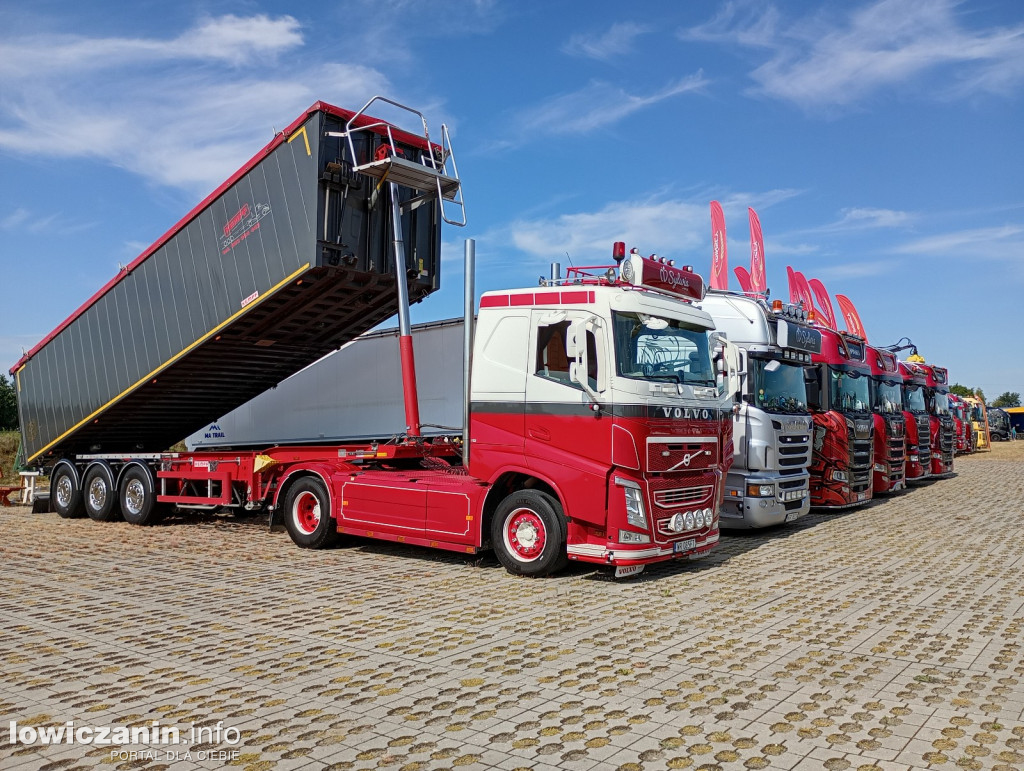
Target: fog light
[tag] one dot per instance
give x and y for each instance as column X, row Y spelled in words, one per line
column 688, row 519
column 676, row 523
column 628, row 536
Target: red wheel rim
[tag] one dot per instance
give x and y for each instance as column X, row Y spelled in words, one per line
column 525, row 535
column 306, row 513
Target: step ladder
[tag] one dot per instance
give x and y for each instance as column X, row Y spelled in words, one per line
column 431, row 177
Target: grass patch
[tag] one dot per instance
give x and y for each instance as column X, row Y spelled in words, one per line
column 8, row 448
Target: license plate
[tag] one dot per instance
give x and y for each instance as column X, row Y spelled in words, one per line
column 687, row 545
column 628, row 570
column 862, row 496
column 791, row 516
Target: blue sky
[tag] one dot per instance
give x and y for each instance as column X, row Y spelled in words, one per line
column 880, row 141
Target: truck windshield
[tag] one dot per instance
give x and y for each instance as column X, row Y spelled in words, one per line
column 849, row 391
column 888, row 396
column 779, row 387
column 939, row 403
column 656, row 348
column 913, row 398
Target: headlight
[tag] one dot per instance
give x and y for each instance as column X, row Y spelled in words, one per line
column 709, row 517
column 677, row 523
column 689, row 520
column 635, row 514
column 761, row 491
column 839, row 476
column 628, row 536
column 880, row 467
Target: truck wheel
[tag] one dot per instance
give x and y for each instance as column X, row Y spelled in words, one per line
column 137, row 497
column 67, row 495
column 307, row 515
column 528, row 532
column 99, row 495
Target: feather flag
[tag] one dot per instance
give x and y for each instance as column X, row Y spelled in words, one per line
column 824, row 302
column 851, row 317
column 757, row 276
column 744, row 278
column 804, row 290
column 794, row 294
column 719, row 256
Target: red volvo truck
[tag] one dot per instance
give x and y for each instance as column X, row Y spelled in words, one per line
column 915, row 414
column 839, row 396
column 598, row 420
column 890, row 453
column 941, row 430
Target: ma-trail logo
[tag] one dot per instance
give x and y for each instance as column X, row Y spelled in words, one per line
column 161, row 742
column 241, row 225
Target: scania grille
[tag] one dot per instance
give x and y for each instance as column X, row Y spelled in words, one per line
column 896, row 449
column 684, row 496
column 861, row 455
column 792, row 484
column 794, row 452
column 860, row 481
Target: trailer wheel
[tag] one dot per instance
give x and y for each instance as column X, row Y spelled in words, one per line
column 99, row 495
column 137, row 497
column 528, row 532
column 66, row 494
column 307, row 515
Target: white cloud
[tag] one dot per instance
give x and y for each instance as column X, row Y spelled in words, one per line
column 828, row 272
column 177, row 111
column 23, row 219
column 823, row 63
column 598, row 104
column 618, row 40
column 997, row 243
column 672, row 227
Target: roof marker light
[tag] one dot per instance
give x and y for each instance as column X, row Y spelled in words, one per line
column 777, row 306
column 619, row 251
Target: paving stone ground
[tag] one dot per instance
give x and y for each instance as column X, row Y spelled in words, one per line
column 890, row 637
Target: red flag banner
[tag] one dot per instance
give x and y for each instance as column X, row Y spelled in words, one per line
column 757, row 277
column 824, row 302
column 851, row 317
column 794, row 293
column 804, row 291
column 744, row 277
column 719, row 256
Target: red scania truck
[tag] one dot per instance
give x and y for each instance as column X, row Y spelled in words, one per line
column 890, row 452
column 941, row 429
column 839, row 396
column 597, row 428
column 915, row 415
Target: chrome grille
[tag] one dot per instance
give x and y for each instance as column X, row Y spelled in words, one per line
column 683, row 496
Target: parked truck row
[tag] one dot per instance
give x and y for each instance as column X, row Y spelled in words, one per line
column 619, row 415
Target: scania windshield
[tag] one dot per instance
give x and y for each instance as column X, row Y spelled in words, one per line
column 779, row 387
column 656, row 348
column 849, row 391
column 888, row 396
column 939, row 403
column 913, row 398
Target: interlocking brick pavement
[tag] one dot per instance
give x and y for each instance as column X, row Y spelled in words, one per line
column 888, row 637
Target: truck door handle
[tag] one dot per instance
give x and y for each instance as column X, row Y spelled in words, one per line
column 540, row 433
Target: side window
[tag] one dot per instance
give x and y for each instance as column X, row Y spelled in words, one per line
column 552, row 361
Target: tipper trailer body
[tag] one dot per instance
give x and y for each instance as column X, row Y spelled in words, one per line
column 284, row 262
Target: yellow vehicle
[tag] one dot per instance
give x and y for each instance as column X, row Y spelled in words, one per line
column 979, row 424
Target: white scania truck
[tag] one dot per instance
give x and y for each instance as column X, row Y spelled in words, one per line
column 768, row 483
